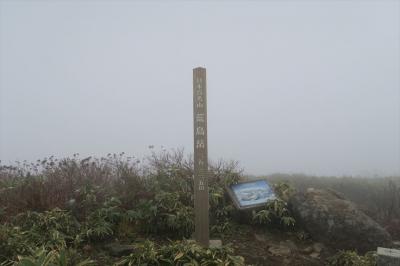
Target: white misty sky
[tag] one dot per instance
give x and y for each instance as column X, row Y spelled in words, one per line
column 297, row 87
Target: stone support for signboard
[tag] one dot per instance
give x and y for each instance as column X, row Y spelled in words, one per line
column 388, row 257
column 201, row 204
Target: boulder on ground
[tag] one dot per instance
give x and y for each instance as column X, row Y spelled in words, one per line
column 337, row 222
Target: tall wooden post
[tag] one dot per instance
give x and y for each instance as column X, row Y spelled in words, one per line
column 201, row 204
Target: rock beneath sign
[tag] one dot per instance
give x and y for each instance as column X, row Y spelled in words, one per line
column 337, row 222
column 388, row 257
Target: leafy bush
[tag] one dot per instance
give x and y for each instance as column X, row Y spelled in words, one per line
column 221, row 210
column 275, row 212
column 43, row 257
column 284, row 190
column 181, row 253
column 101, row 223
column 13, row 241
column 166, row 213
column 55, row 228
column 18, row 248
column 351, row 258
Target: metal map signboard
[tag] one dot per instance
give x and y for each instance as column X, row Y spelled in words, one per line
column 251, row 194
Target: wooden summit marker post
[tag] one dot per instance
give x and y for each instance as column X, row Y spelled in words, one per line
column 201, row 204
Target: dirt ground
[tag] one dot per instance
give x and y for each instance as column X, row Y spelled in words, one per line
column 271, row 247
column 259, row 246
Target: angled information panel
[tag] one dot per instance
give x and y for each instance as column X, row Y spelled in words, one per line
column 251, row 194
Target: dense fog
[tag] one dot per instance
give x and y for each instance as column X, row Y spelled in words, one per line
column 292, row 87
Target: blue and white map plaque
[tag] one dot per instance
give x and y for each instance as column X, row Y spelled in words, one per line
column 251, row 194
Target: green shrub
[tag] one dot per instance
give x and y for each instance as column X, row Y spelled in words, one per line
column 13, row 241
column 275, row 212
column 102, row 222
column 43, row 257
column 164, row 214
column 284, row 190
column 55, row 228
column 221, row 211
column 18, row 247
column 181, row 253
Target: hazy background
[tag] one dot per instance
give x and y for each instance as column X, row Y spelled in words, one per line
column 309, row 87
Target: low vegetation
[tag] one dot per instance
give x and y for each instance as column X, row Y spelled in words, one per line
column 351, row 258
column 180, row 253
column 64, row 212
column 61, row 212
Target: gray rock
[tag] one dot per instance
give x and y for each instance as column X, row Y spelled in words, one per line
column 337, row 222
column 117, row 250
column 279, row 250
column 308, row 250
column 317, row 247
column 290, row 244
column 260, row 238
column 285, row 248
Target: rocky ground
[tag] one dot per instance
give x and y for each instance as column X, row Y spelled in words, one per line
column 259, row 247
column 269, row 247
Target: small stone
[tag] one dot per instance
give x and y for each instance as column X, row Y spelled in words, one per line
column 318, row 247
column 314, row 255
column 87, row 248
column 118, row 250
column 279, row 251
column 308, row 250
column 260, row 238
column 290, row 244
